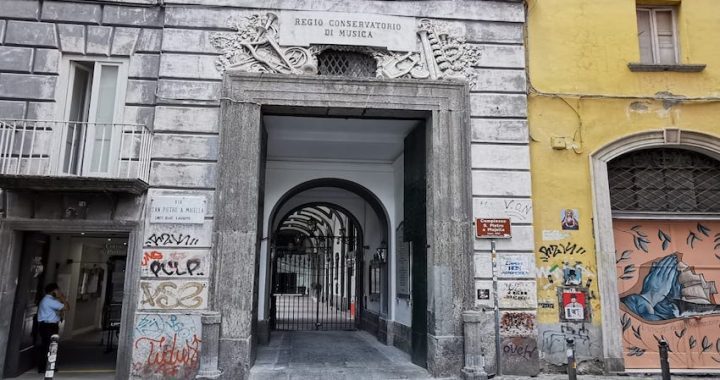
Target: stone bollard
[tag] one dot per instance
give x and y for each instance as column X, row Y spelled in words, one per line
column 475, row 326
column 210, row 343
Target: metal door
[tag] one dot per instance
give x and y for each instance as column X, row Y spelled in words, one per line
column 314, row 288
column 668, row 271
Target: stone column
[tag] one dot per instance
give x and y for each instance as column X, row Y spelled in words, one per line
column 479, row 334
column 210, row 341
column 237, row 215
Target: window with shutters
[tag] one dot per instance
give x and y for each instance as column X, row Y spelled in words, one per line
column 657, row 35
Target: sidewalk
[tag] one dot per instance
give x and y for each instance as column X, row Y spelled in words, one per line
column 634, row 376
column 70, row 375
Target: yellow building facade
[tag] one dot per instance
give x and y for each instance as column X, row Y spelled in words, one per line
column 624, row 121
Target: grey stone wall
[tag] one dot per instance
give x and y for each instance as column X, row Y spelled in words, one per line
column 175, row 89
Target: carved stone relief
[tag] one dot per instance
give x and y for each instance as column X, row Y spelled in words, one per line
column 254, row 48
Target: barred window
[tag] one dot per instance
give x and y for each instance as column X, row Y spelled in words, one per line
column 665, row 180
column 346, row 64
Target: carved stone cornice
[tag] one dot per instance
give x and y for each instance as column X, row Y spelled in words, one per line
column 254, row 47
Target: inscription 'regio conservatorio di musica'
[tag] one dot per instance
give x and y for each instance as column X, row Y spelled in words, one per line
column 430, row 50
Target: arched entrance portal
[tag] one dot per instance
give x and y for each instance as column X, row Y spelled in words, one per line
column 328, row 257
column 657, row 223
column 666, row 224
column 316, row 254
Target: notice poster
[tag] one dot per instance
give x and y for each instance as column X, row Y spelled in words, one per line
column 574, row 304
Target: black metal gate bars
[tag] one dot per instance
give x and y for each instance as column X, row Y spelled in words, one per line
column 314, row 288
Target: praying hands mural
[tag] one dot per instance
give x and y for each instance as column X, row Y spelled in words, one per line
column 670, row 290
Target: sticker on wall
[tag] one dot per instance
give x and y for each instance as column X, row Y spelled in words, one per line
column 516, row 265
column 569, row 219
column 483, row 294
column 574, row 305
column 572, row 274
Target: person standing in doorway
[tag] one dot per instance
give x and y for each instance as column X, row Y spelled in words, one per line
column 50, row 312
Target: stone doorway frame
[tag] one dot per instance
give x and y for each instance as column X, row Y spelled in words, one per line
column 603, row 227
column 240, row 176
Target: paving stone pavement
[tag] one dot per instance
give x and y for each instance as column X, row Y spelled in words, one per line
column 332, row 355
column 699, row 376
column 70, row 375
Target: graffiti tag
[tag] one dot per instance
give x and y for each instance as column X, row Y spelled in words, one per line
column 176, row 294
column 553, row 250
column 171, row 239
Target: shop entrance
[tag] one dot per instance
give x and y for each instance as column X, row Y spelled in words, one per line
column 89, row 270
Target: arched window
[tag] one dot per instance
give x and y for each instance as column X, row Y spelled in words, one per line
column 665, row 180
column 346, row 64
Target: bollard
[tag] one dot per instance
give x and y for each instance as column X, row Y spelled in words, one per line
column 51, row 357
column 571, row 365
column 664, row 364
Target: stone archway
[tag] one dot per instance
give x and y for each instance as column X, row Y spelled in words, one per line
column 239, row 198
column 603, row 226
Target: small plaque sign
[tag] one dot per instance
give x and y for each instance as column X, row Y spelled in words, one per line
column 403, row 253
column 301, row 28
column 492, row 228
column 179, row 210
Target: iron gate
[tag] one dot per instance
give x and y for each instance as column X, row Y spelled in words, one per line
column 314, row 289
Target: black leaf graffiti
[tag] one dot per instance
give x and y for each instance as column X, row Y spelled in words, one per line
column 713, row 358
column 628, row 272
column 640, row 239
column 703, row 230
column 635, row 351
column 706, row 344
column 626, row 323
column 693, row 342
column 636, row 332
column 691, row 239
column 717, row 345
column 664, row 238
column 718, row 256
column 625, row 255
column 636, row 228
column 682, row 333
column 717, row 240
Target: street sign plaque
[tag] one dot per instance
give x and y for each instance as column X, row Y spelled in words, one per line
column 498, row 228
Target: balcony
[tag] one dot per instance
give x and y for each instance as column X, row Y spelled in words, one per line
column 74, row 156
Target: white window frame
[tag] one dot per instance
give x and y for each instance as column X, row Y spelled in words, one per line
column 654, row 43
column 63, row 100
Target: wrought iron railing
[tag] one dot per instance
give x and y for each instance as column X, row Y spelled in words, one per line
column 76, row 149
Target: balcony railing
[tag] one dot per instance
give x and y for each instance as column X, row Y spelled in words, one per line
column 74, row 149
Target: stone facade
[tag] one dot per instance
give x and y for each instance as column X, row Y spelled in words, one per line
column 175, row 88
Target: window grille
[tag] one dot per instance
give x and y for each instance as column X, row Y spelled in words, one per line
column 346, row 64
column 664, row 180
